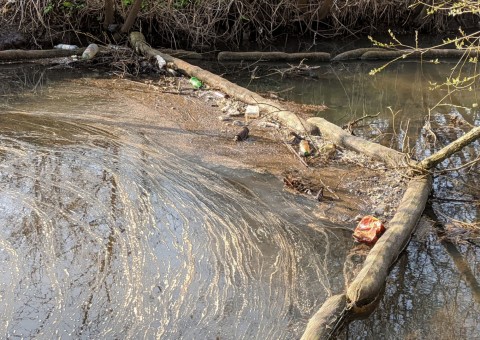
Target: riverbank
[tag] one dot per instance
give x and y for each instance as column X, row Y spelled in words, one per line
column 210, row 25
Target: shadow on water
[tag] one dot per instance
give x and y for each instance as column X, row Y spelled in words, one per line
column 109, row 234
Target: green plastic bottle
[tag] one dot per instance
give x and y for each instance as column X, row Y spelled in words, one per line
column 196, row 83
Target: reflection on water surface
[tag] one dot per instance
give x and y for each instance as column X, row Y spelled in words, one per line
column 108, row 234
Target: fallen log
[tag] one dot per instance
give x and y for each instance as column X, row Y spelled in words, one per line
column 450, row 149
column 325, row 322
column 10, row 55
column 267, row 107
column 183, row 54
column 356, row 54
column 376, row 151
column 370, row 280
column 273, row 56
column 416, row 54
column 365, row 290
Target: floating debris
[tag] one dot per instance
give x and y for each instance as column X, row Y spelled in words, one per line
column 368, row 230
column 90, row 51
column 65, row 47
column 196, row 83
column 252, row 112
column 304, row 148
column 242, row 135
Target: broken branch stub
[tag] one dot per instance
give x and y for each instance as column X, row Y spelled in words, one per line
column 450, row 149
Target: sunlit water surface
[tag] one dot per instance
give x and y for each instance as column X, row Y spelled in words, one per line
column 106, row 233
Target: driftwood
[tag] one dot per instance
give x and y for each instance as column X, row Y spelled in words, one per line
column 324, row 323
column 38, row 54
column 183, row 54
column 376, row 151
column 415, row 54
column 356, row 54
column 371, row 279
column 273, row 56
column 268, row 107
column 450, row 149
column 365, row 289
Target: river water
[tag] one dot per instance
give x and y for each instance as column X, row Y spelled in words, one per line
column 107, row 233
column 434, row 289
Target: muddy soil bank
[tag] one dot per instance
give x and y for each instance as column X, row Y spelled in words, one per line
column 352, row 185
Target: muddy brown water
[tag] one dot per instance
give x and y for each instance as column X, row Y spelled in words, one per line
column 109, row 231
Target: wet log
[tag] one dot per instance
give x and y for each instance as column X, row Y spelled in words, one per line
column 366, row 289
column 450, row 149
column 376, row 151
column 273, row 56
column 10, row 55
column 356, row 54
column 371, row 279
column 416, row 54
column 326, row 320
column 267, row 107
column 183, row 54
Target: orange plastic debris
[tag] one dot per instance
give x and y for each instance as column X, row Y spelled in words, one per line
column 368, row 230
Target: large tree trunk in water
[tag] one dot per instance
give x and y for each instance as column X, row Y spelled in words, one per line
column 267, row 107
column 132, row 15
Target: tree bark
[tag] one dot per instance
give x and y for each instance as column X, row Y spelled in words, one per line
column 450, row 149
column 38, row 54
column 132, row 15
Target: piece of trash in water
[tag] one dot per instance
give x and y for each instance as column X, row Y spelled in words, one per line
column 252, row 112
column 196, row 83
column 304, row 148
column 368, row 230
column 90, row 51
column 65, row 47
column 160, row 61
column 242, row 135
